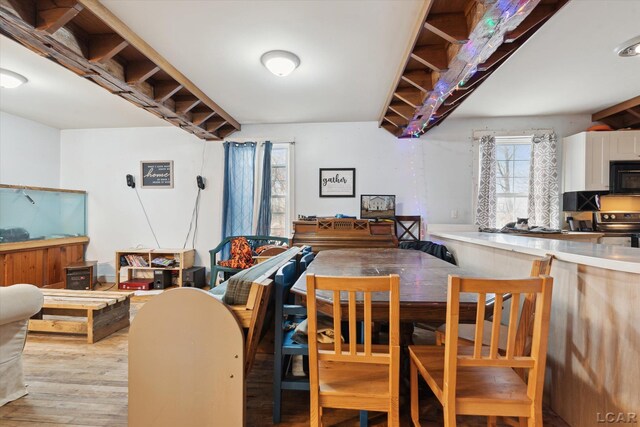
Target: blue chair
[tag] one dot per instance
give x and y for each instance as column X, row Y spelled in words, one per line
column 285, row 348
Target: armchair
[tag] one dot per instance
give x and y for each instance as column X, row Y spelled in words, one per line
column 17, row 304
column 254, row 241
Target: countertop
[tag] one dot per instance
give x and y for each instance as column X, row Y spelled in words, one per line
column 610, row 257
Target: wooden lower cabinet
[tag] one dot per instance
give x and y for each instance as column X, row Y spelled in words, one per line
column 39, row 263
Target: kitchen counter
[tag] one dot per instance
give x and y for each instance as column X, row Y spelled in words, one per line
column 616, row 258
column 594, row 345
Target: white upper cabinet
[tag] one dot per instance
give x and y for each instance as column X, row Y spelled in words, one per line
column 625, row 145
column 586, row 157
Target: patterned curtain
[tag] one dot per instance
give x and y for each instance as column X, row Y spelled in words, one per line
column 544, row 193
column 486, row 212
column 237, row 198
column 264, row 211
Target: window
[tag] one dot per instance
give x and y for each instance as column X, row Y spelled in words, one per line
column 513, row 158
column 281, row 189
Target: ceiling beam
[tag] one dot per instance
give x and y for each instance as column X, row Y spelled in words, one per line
column 615, row 109
column 199, row 117
column 162, row 91
column 420, row 79
column 139, row 71
column 52, row 19
column 184, row 103
column 432, row 56
column 403, row 109
column 103, row 47
column 212, row 125
column 450, row 26
column 412, row 97
column 99, row 10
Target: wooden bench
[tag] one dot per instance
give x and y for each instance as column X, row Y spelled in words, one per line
column 101, row 313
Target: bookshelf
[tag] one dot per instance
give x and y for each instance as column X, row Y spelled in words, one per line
column 137, row 258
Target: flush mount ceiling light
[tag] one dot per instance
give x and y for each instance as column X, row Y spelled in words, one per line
column 629, row 48
column 280, row 62
column 10, row 80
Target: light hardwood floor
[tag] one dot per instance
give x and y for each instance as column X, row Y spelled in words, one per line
column 72, row 383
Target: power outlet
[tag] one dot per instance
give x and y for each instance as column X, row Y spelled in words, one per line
column 454, row 213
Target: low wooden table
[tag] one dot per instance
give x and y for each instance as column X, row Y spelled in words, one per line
column 103, row 313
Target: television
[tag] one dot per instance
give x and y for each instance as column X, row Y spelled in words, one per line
column 376, row 206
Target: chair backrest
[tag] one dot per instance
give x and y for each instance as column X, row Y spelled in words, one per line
column 352, row 286
column 284, row 280
column 535, row 363
column 305, row 261
column 540, row 267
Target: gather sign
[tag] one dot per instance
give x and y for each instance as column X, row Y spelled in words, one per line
column 337, row 182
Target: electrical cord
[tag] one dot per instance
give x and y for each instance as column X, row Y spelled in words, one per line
column 196, row 207
column 147, row 217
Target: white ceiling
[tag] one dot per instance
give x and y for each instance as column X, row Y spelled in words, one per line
column 350, row 52
column 568, row 66
column 60, row 98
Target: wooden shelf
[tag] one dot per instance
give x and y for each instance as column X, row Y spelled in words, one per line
column 184, row 257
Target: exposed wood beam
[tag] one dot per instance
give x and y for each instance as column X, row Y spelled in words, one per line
column 137, row 42
column 103, row 47
column 225, row 131
column 450, row 26
column 139, row 71
column 420, row 79
column 212, row 125
column 403, row 109
column 412, row 97
column 417, row 29
column 396, row 119
column 391, row 128
column 432, row 56
column 477, row 78
column 185, row 103
column 625, row 105
column 165, row 90
column 199, row 117
column 52, row 19
column 633, row 112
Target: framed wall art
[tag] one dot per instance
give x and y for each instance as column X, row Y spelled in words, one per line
column 337, row 182
column 156, row 174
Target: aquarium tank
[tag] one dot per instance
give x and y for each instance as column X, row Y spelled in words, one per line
column 28, row 213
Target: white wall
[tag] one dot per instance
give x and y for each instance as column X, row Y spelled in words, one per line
column 431, row 176
column 29, row 152
column 97, row 160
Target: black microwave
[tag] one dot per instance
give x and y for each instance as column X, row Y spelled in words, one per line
column 624, row 177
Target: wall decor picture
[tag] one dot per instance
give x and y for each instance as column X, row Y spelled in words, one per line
column 156, row 173
column 338, row 182
column 375, row 206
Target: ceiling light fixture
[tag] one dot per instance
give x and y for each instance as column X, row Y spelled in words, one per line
column 280, row 62
column 10, row 80
column 629, row 48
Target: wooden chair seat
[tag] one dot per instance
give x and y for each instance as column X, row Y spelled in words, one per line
column 341, row 385
column 476, row 387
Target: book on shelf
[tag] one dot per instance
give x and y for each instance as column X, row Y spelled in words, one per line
column 136, row 260
column 163, row 262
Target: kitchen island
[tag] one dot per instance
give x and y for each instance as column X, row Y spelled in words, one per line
column 593, row 362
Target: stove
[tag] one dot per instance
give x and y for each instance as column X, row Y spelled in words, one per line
column 623, row 226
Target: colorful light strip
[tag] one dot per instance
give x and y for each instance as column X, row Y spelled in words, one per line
column 499, row 19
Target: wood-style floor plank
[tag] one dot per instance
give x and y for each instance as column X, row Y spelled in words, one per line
column 72, row 383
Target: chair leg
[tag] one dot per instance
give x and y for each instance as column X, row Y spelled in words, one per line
column 415, row 412
column 277, row 390
column 536, row 419
column 449, row 416
column 523, row 422
column 315, row 411
column 393, row 417
column 492, row 422
column 364, row 418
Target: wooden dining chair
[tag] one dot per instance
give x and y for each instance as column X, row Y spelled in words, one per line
column 477, row 380
column 354, row 376
column 466, row 332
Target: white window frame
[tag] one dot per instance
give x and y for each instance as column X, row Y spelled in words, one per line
column 290, row 209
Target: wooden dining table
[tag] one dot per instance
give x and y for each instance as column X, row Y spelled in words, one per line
column 423, row 283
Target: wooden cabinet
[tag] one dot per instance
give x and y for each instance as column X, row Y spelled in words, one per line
column 625, row 145
column 344, row 233
column 183, row 259
column 40, row 263
column 586, row 157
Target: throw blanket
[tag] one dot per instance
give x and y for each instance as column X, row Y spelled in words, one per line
column 241, row 254
column 239, row 285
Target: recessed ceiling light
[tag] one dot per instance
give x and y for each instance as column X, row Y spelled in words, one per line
column 9, row 79
column 280, row 62
column 629, row 48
